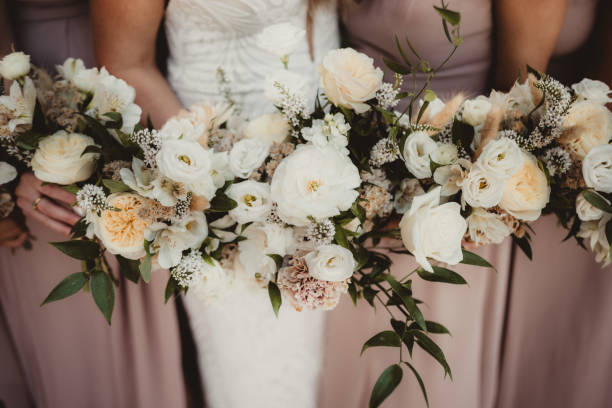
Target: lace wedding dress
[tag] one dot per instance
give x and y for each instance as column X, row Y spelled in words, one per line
column 247, row 356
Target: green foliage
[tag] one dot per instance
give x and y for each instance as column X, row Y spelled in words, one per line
column 597, row 201
column 278, row 260
column 470, row 258
column 129, row 268
column 171, row 289
column 432, row 349
column 222, row 203
column 69, row 286
column 103, row 293
column 115, row 186
column 79, row 229
column 420, row 380
column 386, row 338
column 443, row 275
column 386, row 383
column 275, row 297
column 79, row 249
column 145, row 268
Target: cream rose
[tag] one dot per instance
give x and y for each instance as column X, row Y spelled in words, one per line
column 594, row 91
column 59, row 159
column 349, row 78
column 597, row 168
column 120, row 228
column 253, row 198
column 482, row 189
column 586, row 125
column 501, row 158
column 586, row 211
column 431, row 230
column 246, row 156
column 475, row 111
column 7, row 173
column 331, row 263
column 14, row 65
column 418, row 148
column 485, row 227
column 270, row 128
column 527, row 192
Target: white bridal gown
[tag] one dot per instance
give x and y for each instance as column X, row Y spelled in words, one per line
column 248, row 358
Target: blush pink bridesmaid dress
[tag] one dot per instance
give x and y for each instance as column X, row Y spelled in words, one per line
column 64, row 354
column 473, row 313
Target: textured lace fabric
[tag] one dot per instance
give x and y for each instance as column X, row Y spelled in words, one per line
column 247, row 356
column 204, row 35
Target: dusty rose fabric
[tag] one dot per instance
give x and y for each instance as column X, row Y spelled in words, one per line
column 64, row 354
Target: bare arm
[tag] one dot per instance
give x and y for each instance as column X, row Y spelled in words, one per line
column 527, row 32
column 124, row 39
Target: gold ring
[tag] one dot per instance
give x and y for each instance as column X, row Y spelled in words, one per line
column 36, row 202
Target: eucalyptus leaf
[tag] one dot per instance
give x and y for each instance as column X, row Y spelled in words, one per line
column 145, row 268
column 275, row 297
column 103, row 293
column 115, row 186
column 597, row 201
column 386, row 383
column 385, row 338
column 67, row 287
column 79, row 249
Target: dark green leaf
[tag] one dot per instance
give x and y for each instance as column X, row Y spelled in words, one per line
column 71, row 188
column 462, row 134
column 433, row 349
column 609, row 236
column 222, row 203
column 432, row 327
column 470, row 258
column 402, row 53
column 420, row 380
column 69, row 286
column 452, row 17
column 278, row 260
column 29, row 140
column 275, row 297
column 597, row 201
column 352, row 291
column 524, row 245
column 103, row 293
column 115, row 120
column 171, row 288
column 408, row 301
column 340, row 237
column 358, row 211
column 396, row 67
column 441, row 275
column 129, row 268
column 422, row 110
column 386, row 383
column 115, row 186
column 369, row 294
column 79, row 249
column 79, row 229
column 92, row 149
column 400, row 328
column 386, row 338
column 145, row 268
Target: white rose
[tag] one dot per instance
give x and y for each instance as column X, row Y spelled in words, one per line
column 14, row 65
column 120, row 228
column 253, row 200
column 485, row 227
column 501, row 158
column 58, row 158
column 246, row 156
column 475, row 111
column 527, row 192
column 585, row 126
column 430, row 230
column 349, row 78
column 7, row 173
column 187, row 162
column 418, row 148
column 481, row 189
column 330, row 263
column 314, row 182
column 182, row 129
column 446, row 153
column 597, row 168
column 169, row 241
column 586, row 211
column 270, row 128
column 293, row 83
column 594, row 91
column 263, row 240
column 281, row 39
column 451, row 177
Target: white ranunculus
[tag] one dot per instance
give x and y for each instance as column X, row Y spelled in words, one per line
column 20, row 102
column 482, row 189
column 7, row 173
column 594, row 232
column 332, row 130
column 446, row 153
column 14, row 65
column 409, row 188
column 586, row 125
column 431, row 230
column 281, row 39
column 475, row 111
column 501, row 158
column 418, row 149
column 169, row 241
column 187, row 162
column 597, row 168
column 527, row 192
column 270, row 128
column 294, row 83
column 263, row 240
column 349, row 78
column 70, row 68
column 149, row 183
column 314, row 182
column 112, row 94
column 330, row 263
column 120, row 228
column 59, row 159
column 253, row 198
column 594, row 91
column 451, row 177
column 246, row 156
column 486, row 227
column 587, row 211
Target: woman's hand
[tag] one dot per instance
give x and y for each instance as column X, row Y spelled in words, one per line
column 41, row 202
column 11, row 234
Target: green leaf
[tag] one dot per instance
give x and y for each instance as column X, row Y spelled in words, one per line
column 92, row 149
column 71, row 188
column 129, row 268
column 402, row 53
column 400, row 328
column 429, row 96
column 352, row 291
column 432, row 327
column 385, row 338
column 278, row 260
column 369, row 294
column 524, row 245
column 115, row 120
column 597, row 201
column 340, row 237
column 433, row 349
column 422, row 111
column 462, row 134
column 145, row 268
column 275, row 297
column 29, row 140
column 452, row 17
column 115, row 186
column 470, row 258
column 171, row 287
column 441, row 275
column 358, row 211
column 407, row 300
column 69, row 286
column 386, row 383
column 420, row 380
column 79, row 249
column 396, row 66
column 222, row 203
column 103, row 293
column 79, row 229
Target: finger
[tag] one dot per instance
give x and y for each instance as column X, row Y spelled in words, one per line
column 17, row 242
column 57, row 193
column 57, row 212
column 9, row 233
column 43, row 219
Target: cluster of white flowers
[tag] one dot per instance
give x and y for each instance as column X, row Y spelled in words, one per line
column 387, row 96
column 384, row 151
column 149, row 141
column 91, row 199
